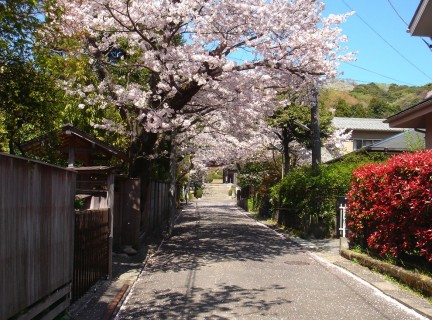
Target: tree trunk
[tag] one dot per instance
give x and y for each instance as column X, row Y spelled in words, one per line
column 173, row 183
column 140, row 165
column 315, row 128
column 286, row 152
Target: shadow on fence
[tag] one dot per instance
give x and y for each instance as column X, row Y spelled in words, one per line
column 242, row 198
column 243, row 203
column 91, row 249
column 155, row 216
column 286, row 218
column 36, row 238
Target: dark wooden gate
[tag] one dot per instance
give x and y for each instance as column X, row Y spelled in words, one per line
column 91, row 250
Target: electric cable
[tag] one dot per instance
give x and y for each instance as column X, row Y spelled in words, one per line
column 379, row 74
column 388, row 43
column 395, row 10
column 403, row 20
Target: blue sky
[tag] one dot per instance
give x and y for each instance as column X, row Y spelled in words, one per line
column 403, row 60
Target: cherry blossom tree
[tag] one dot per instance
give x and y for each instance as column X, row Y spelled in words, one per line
column 169, row 64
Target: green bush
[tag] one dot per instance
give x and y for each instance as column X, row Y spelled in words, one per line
column 214, row 173
column 79, row 203
column 258, row 178
column 251, row 207
column 310, row 196
column 198, row 193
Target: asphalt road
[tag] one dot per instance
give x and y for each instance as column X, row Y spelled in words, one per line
column 221, row 264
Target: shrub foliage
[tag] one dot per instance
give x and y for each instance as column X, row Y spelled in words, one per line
column 389, row 206
column 310, row 196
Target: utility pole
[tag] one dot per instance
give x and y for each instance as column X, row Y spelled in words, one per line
column 315, row 128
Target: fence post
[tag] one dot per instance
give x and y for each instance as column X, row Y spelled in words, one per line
column 341, row 229
column 110, row 201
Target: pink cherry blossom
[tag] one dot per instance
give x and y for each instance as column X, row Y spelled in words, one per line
column 216, row 65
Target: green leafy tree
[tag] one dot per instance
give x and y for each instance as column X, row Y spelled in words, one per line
column 379, row 108
column 84, row 109
column 398, row 97
column 75, row 109
column 28, row 95
column 369, row 89
column 292, row 123
column 28, row 104
column 259, row 177
column 19, row 19
column 343, row 109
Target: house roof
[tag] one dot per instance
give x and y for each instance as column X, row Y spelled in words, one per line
column 421, row 23
column 412, row 117
column 86, row 147
column 362, row 124
column 398, row 143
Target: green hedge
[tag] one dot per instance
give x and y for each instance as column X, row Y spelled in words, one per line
column 198, row 193
column 310, row 196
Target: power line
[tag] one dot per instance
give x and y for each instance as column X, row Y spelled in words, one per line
column 395, row 10
column 379, row 74
column 403, row 20
column 390, row 45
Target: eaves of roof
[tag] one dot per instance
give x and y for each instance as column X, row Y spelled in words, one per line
column 421, row 23
column 416, row 112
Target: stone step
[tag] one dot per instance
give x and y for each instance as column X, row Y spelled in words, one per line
column 217, row 191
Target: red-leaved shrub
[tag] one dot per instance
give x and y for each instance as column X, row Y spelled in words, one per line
column 389, row 206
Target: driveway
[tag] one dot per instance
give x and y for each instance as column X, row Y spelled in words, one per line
column 221, row 264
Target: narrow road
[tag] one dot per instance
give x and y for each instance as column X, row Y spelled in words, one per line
column 221, row 264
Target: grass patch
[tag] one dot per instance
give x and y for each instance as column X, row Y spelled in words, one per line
column 416, row 265
column 404, row 286
column 390, row 268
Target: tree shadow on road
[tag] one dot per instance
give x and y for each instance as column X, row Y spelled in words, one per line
column 201, row 303
column 217, row 234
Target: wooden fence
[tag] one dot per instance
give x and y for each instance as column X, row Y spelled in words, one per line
column 242, row 198
column 91, row 249
column 127, row 196
column 36, row 238
column 155, row 216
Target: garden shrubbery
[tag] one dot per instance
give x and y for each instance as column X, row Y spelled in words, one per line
column 256, row 178
column 389, row 207
column 310, row 196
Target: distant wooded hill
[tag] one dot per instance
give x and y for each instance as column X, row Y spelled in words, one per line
column 372, row 100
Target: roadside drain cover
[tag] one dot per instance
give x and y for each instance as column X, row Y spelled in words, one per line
column 297, row 263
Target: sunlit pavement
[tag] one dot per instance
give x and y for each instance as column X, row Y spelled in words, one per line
column 220, row 264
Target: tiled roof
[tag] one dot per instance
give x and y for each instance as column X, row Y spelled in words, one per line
column 363, row 124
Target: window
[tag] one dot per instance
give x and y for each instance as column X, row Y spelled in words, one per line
column 360, row 143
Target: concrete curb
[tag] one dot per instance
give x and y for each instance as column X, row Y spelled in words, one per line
column 114, row 304
column 343, row 259
column 413, row 280
column 125, row 295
